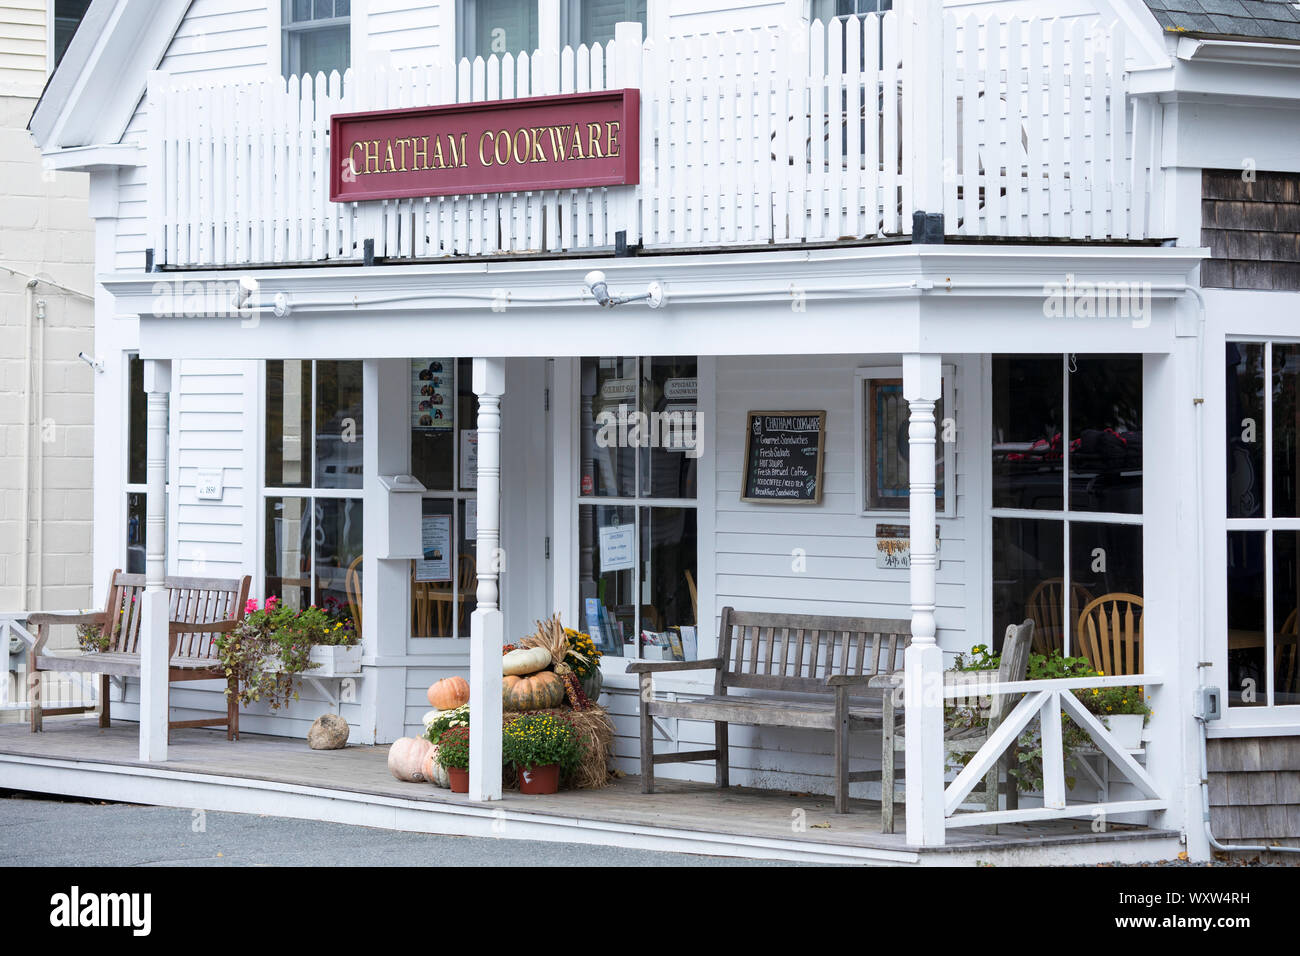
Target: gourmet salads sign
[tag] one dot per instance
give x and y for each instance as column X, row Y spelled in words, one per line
column 553, row 142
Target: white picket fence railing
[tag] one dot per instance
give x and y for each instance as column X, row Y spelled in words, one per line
column 749, row 138
column 1046, row 701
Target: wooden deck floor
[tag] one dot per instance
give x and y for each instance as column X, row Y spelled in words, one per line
column 746, row 818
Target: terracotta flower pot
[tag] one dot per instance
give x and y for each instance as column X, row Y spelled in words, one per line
column 544, row 779
column 459, row 779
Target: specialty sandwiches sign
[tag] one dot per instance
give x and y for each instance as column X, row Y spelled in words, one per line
column 553, row 142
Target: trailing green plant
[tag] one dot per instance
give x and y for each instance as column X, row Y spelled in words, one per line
column 453, row 748
column 1113, row 701
column 269, row 647
column 459, row 717
column 539, row 740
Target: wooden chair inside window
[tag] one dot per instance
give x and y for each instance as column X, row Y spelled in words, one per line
column 1047, row 609
column 1110, row 633
column 352, row 587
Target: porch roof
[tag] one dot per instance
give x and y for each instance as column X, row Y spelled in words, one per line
column 884, row 298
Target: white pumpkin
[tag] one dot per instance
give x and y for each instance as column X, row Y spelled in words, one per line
column 435, row 772
column 430, row 716
column 406, row 758
column 525, row 660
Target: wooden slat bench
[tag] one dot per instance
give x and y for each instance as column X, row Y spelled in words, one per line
column 200, row 609
column 825, row 673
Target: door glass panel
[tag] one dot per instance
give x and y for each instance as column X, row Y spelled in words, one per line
column 1246, row 637
column 433, row 422
column 287, row 556
column 1106, row 434
column 288, row 424
column 1028, row 579
column 467, row 565
column 606, row 565
column 606, row 423
column 338, row 425
column 1027, row 422
column 1245, row 429
column 338, row 554
column 137, row 426
column 670, row 413
column 466, row 425
column 1106, row 564
column 433, row 597
column 668, row 580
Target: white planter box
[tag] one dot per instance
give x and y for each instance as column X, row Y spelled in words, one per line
column 336, row 660
column 1126, row 729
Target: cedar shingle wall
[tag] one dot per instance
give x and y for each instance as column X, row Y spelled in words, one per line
column 1255, row 789
column 1252, row 230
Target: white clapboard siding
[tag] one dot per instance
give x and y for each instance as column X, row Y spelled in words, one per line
column 749, row 137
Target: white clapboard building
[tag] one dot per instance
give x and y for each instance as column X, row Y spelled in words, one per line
column 1025, row 272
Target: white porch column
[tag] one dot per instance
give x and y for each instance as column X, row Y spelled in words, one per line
column 485, row 624
column 923, row 662
column 154, row 639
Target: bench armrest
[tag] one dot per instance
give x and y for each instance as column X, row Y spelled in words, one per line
column 651, row 667
column 65, row 617
column 201, row 627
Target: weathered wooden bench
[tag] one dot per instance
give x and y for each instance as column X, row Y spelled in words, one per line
column 199, row 610
column 825, row 673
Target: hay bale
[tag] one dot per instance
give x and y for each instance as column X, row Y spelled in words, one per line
column 596, row 735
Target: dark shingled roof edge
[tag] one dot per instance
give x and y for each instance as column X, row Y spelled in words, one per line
column 1274, row 21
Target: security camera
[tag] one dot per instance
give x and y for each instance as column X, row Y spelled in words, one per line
column 93, row 362
column 281, row 306
column 654, row 296
column 599, row 289
column 248, row 287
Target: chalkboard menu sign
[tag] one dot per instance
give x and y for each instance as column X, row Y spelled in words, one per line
column 783, row 457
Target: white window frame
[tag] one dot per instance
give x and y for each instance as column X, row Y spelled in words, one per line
column 611, row 664
column 862, row 473
column 1267, row 524
column 288, row 30
column 1066, row 515
column 310, row 493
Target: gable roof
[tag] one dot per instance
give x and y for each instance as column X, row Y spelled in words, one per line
column 1251, row 19
column 90, row 97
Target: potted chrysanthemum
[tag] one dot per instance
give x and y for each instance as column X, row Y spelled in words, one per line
column 541, row 747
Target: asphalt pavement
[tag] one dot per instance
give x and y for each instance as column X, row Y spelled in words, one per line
column 41, row 831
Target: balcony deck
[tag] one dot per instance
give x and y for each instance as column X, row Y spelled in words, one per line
column 280, row 776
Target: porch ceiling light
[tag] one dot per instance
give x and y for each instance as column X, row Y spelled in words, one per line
column 599, row 289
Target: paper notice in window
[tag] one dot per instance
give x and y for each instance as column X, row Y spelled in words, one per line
column 617, row 548
column 435, row 542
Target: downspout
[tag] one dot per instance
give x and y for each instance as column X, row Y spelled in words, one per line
column 29, row 306
column 39, row 549
column 1203, row 664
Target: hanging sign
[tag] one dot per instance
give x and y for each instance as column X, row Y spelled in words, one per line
column 783, row 457
column 547, row 142
column 894, row 546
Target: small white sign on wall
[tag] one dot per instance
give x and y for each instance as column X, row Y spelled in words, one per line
column 208, row 485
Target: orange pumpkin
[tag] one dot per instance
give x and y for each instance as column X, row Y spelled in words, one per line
column 406, row 758
column 449, row 693
column 535, row 692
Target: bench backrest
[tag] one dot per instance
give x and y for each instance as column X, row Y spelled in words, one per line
column 190, row 601
column 797, row 652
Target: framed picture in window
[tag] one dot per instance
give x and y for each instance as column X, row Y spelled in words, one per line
column 883, row 417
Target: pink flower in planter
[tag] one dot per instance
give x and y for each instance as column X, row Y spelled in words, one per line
column 251, row 606
column 271, row 602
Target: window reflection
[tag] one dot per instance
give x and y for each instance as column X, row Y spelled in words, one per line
column 1246, row 635
column 1106, row 433
column 1027, row 433
column 1244, row 399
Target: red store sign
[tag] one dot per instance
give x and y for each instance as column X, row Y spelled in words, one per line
column 494, row 146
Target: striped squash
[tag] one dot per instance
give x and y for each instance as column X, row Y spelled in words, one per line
column 535, row 692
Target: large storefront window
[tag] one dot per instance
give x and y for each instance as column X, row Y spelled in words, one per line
column 313, row 455
column 444, row 458
column 639, row 448
column 1263, row 511
column 1067, row 504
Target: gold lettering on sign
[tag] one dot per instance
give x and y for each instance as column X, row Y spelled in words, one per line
column 524, row 144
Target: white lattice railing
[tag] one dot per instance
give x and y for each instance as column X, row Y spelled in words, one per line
column 748, row 138
column 1046, row 700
